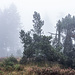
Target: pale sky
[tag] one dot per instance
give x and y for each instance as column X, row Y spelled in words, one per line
column 50, row 11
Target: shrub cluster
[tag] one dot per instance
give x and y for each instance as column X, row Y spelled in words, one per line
column 11, row 64
column 18, row 67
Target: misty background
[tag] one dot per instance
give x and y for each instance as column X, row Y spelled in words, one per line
column 18, row 14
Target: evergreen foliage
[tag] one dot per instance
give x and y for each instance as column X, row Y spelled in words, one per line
column 66, row 26
column 38, row 23
column 37, row 47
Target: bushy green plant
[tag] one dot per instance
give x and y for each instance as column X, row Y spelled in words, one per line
column 18, row 67
column 9, row 68
column 12, row 59
column 9, row 63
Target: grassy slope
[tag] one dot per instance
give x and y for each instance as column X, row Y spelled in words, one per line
column 37, row 69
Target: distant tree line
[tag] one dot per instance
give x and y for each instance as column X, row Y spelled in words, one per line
column 9, row 34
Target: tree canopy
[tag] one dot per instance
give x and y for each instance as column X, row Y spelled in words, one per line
column 37, row 46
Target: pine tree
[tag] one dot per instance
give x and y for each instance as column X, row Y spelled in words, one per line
column 38, row 23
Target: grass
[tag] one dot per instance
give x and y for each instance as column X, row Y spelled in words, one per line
column 46, row 68
column 38, row 70
column 41, row 71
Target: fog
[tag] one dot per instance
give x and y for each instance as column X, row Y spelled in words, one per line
column 18, row 14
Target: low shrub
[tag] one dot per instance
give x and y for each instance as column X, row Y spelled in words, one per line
column 18, row 67
column 12, row 59
column 9, row 68
column 8, row 63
